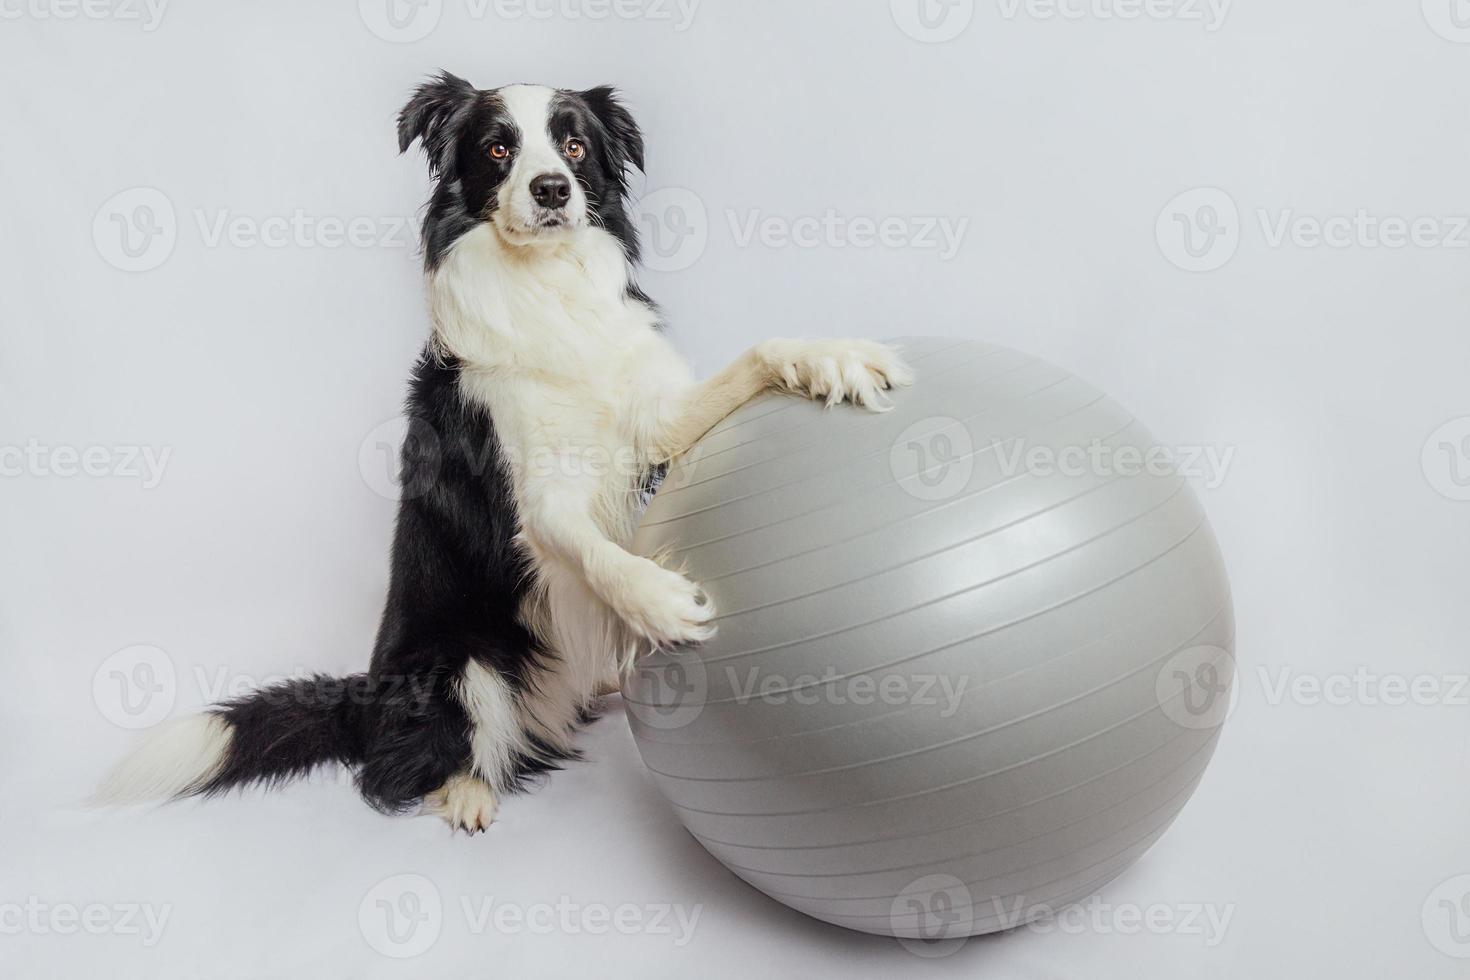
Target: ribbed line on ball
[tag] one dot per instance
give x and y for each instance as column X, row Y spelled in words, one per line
column 1008, row 402
column 778, row 405
column 1169, row 809
column 794, row 401
column 1009, row 525
column 1059, row 896
column 818, row 419
column 856, row 499
column 968, row 736
column 1037, row 801
column 932, row 789
column 981, row 585
column 886, row 483
column 898, row 712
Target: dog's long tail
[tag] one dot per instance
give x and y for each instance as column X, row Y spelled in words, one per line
column 269, row 736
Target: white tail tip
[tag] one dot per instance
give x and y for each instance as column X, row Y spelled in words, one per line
column 175, row 759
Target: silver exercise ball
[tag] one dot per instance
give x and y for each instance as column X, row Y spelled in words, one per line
column 973, row 654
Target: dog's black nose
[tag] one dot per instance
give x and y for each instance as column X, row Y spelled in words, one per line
column 551, row 190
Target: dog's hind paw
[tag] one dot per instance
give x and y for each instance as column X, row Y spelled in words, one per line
column 465, row 802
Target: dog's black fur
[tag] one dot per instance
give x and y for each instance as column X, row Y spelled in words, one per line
column 458, row 577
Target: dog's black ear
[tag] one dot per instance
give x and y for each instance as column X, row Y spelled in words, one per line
column 624, row 138
column 429, row 116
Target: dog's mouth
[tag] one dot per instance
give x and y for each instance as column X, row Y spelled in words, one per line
column 538, row 221
column 536, row 225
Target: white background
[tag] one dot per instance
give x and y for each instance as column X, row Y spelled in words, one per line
column 1332, row 827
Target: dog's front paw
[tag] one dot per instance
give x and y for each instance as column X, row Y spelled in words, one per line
column 661, row 607
column 465, row 802
column 858, row 371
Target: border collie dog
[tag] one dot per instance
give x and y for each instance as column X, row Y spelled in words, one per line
column 540, row 412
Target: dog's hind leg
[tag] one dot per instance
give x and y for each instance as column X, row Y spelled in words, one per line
column 416, row 737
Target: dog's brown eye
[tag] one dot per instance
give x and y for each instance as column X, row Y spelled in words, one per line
column 575, row 150
column 499, row 151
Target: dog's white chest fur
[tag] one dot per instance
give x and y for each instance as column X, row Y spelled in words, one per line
column 575, row 379
column 571, row 369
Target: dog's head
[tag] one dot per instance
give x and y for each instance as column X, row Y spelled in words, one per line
column 542, row 164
